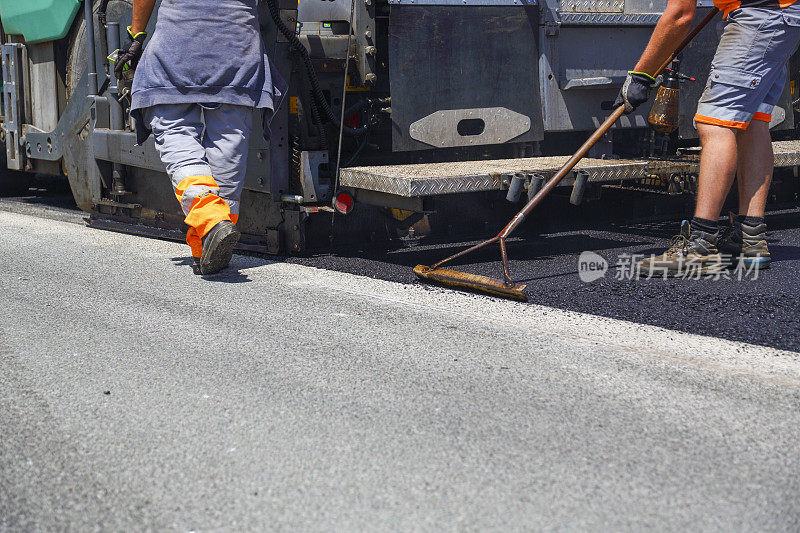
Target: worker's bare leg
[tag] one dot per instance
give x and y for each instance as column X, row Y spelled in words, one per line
column 699, row 246
column 755, row 165
column 747, row 239
column 747, row 154
column 717, row 168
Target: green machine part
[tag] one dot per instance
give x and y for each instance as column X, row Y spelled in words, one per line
column 38, row 20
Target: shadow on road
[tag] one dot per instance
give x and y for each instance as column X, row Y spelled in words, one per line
column 232, row 274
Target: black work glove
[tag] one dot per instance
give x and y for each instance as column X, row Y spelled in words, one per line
column 128, row 56
column 635, row 91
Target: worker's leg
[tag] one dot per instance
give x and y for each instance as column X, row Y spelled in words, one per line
column 726, row 107
column 726, row 153
column 755, row 164
column 717, row 168
column 745, row 239
column 756, row 161
column 226, row 142
column 694, row 251
column 178, row 132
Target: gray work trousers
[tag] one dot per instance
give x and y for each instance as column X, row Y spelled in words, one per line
column 203, row 140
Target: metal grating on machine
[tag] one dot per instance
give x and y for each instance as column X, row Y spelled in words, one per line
column 592, row 6
column 433, row 179
column 787, row 153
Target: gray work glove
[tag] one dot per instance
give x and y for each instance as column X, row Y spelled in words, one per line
column 128, row 56
column 635, row 91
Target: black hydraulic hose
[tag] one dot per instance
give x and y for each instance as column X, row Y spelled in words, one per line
column 316, row 90
column 316, row 120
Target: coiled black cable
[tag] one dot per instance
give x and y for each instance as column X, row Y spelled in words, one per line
column 316, row 120
column 294, row 143
column 316, row 90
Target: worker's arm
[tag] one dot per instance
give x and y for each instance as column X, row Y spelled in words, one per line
column 142, row 10
column 672, row 27
column 130, row 53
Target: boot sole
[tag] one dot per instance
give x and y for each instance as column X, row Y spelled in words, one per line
column 759, row 263
column 220, row 252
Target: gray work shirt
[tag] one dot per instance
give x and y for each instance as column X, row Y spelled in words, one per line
column 207, row 52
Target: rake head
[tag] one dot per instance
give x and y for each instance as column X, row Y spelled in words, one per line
column 473, row 282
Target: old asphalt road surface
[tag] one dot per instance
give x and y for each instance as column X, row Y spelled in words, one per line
column 136, row 395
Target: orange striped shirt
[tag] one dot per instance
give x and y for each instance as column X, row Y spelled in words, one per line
column 726, row 6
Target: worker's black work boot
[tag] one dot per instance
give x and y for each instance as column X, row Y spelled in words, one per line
column 746, row 243
column 691, row 253
column 196, row 266
column 218, row 247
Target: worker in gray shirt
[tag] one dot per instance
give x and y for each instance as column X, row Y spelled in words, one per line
column 195, row 87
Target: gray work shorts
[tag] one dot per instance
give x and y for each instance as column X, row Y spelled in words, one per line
column 749, row 72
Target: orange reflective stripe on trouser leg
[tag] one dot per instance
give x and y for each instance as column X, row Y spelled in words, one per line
column 206, row 212
column 204, row 208
column 195, row 242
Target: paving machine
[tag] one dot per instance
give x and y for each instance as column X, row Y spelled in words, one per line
column 447, row 104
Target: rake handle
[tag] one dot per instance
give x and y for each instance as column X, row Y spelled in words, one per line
column 596, row 136
column 550, row 185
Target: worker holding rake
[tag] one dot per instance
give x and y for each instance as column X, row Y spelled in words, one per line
column 747, row 77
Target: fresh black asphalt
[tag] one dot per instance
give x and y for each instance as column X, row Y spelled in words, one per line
column 762, row 309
